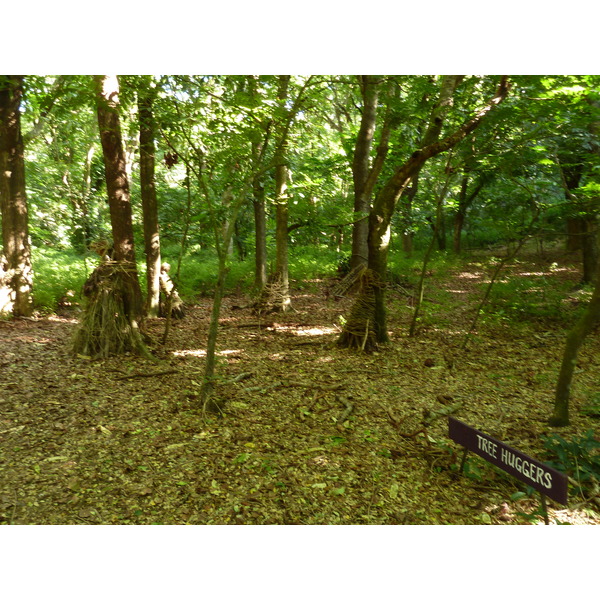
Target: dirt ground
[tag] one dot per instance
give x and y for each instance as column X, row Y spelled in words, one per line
column 310, row 433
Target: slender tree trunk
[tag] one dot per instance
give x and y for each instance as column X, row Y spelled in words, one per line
column 260, row 232
column 360, row 171
column 281, row 209
column 117, row 186
column 406, row 204
column 575, row 338
column 259, row 146
column 429, row 251
column 581, row 228
column 17, row 273
column 149, row 202
column 464, row 202
column 590, row 249
column 461, row 213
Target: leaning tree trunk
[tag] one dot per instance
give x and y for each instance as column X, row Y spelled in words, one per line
column 379, row 228
column 575, row 338
column 110, row 324
column 149, row 202
column 16, row 275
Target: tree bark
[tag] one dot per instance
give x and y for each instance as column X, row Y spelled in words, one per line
column 581, row 228
column 117, row 186
column 17, row 276
column 360, row 170
column 575, row 338
column 464, row 201
column 148, row 192
column 260, row 229
column 281, row 207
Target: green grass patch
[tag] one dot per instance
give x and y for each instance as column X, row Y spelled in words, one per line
column 537, row 298
column 57, row 274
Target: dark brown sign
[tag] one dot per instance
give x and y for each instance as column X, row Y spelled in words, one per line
column 539, row 476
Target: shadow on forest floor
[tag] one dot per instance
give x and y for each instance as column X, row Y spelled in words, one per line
column 312, row 435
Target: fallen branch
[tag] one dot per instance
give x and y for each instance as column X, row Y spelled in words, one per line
column 430, row 417
column 170, row 372
column 240, row 377
column 349, row 408
column 313, row 386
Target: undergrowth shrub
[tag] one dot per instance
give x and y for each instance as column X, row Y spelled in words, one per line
column 578, row 457
column 58, row 274
column 530, row 298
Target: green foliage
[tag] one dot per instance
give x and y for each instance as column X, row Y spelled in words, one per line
column 59, row 274
column 579, row 457
column 532, row 298
column 592, row 408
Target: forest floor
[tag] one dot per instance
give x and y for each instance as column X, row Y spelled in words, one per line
column 311, row 434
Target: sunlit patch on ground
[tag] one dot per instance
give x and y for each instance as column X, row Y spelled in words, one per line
column 304, row 331
column 200, row 353
column 58, row 319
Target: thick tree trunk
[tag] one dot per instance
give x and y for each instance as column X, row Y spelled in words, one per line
column 117, row 186
column 360, row 171
column 149, row 202
column 385, row 204
column 17, row 276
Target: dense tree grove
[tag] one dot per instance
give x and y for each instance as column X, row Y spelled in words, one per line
column 247, row 168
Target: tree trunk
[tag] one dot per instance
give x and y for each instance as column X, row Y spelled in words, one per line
column 117, row 186
column 575, row 338
column 406, row 204
column 589, row 249
column 581, row 228
column 384, row 207
column 16, row 280
column 148, row 192
column 110, row 323
column 360, row 171
column 260, row 240
column 281, row 210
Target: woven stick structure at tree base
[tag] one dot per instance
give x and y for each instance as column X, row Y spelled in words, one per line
column 272, row 297
column 107, row 328
column 359, row 330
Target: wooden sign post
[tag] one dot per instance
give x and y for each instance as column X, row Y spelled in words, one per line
column 548, row 481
